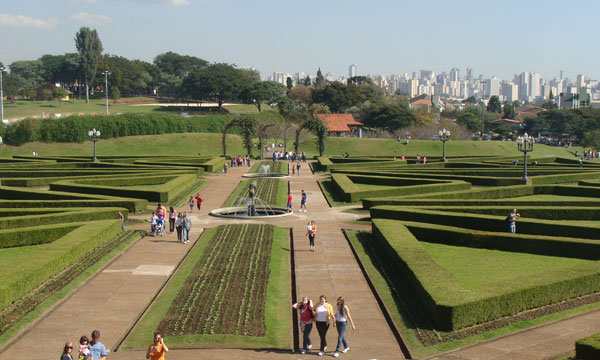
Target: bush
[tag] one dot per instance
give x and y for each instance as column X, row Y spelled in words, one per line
column 588, row 348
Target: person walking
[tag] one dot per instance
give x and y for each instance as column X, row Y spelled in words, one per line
column 289, row 202
column 179, row 227
column 303, row 197
column 342, row 315
column 512, row 221
column 191, row 203
column 187, row 227
column 122, row 218
column 157, row 350
column 67, row 351
column 297, row 168
column 311, row 231
column 97, row 349
column 307, row 313
column 199, row 201
column 324, row 314
column 172, row 217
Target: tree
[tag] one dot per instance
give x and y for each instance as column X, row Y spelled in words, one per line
column 494, row 105
column 318, row 128
column 263, row 91
column 360, row 80
column 29, row 73
column 115, row 94
column 389, row 117
column 307, row 81
column 470, row 100
column 89, row 47
column 301, row 93
column 320, row 80
column 592, row 139
column 470, row 117
column 509, row 111
column 217, row 82
column 319, row 109
column 248, row 126
column 289, row 83
column 179, row 65
column 59, row 93
column 550, row 105
column 295, row 114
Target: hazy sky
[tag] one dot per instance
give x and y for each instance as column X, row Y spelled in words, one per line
column 382, row 37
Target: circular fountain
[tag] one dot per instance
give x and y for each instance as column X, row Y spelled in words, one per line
column 264, row 171
column 250, row 207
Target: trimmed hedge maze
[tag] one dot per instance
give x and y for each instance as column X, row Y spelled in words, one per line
column 440, row 238
column 63, row 212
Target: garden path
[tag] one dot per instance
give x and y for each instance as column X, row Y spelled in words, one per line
column 114, row 298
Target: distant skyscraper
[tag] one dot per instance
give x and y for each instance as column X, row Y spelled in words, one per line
column 352, row 70
column 469, row 73
column 535, row 87
column 580, row 81
column 454, row 74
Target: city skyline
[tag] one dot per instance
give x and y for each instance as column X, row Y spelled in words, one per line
column 384, row 38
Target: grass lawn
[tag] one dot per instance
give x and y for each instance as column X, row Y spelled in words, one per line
column 549, row 198
column 468, row 264
column 333, row 195
column 278, row 318
column 242, row 190
column 400, row 307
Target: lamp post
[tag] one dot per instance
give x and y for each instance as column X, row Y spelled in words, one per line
column 2, row 70
column 106, row 73
column 444, row 136
column 525, row 145
column 94, row 136
column 0, row 142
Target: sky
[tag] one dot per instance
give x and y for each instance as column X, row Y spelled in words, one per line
column 382, row 37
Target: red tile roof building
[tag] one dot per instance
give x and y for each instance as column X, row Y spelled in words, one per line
column 340, row 124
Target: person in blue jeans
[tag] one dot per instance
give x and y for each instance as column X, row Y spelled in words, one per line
column 187, row 227
column 342, row 316
column 512, row 221
column 306, row 309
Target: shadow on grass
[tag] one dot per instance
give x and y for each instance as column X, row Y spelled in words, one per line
column 334, row 197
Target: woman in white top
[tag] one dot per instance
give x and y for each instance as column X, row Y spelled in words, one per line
column 179, row 226
column 324, row 313
column 342, row 315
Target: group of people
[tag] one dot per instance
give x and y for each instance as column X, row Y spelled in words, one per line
column 290, row 155
column 95, row 350
column 296, row 168
column 198, row 199
column 239, row 161
column 88, row 349
column 180, row 222
column 303, row 197
column 322, row 316
column 422, row 160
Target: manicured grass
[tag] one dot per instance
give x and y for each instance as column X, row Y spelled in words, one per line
column 333, row 195
column 401, row 309
column 191, row 144
column 242, row 190
column 548, row 198
column 27, row 108
column 278, row 317
column 468, row 265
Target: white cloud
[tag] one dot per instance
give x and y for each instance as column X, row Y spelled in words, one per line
column 90, row 19
column 22, row 21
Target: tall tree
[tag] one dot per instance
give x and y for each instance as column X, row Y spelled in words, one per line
column 263, row 91
column 89, row 47
column 30, row 73
column 320, row 80
column 306, row 81
column 289, row 83
column 217, row 82
column 179, row 65
column 494, row 104
column 509, row 111
column 301, row 93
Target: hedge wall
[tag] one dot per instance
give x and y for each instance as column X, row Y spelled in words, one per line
column 20, row 275
column 487, row 222
column 588, row 348
column 451, row 306
column 16, row 219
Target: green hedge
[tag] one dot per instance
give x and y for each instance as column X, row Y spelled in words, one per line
column 28, row 198
column 33, row 235
column 24, row 218
column 20, row 274
column 487, row 222
column 154, row 193
column 588, row 348
column 75, row 128
column 449, row 305
column 390, row 186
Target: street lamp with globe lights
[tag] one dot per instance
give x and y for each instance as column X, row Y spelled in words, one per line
column 94, row 136
column 444, row 136
column 525, row 145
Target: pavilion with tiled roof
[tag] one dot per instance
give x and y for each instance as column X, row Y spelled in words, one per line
column 340, row 124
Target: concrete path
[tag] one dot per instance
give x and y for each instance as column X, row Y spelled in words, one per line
column 114, row 299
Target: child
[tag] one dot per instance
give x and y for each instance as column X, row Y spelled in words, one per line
column 289, row 203
column 191, row 203
column 84, row 348
column 153, row 222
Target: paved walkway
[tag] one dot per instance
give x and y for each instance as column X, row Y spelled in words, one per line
column 113, row 300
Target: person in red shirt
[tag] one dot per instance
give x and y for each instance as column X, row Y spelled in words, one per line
column 199, row 200
column 289, row 204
